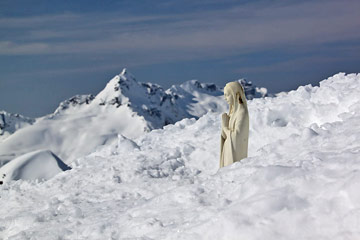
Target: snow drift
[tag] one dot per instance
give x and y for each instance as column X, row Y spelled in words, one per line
column 38, row 165
column 300, row 181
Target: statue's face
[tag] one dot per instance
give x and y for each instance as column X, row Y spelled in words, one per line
column 228, row 97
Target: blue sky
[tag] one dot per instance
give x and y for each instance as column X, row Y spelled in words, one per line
column 52, row 50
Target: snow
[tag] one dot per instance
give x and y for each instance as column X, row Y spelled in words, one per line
column 300, row 181
column 38, row 165
column 125, row 106
column 74, row 133
column 10, row 123
column 160, row 107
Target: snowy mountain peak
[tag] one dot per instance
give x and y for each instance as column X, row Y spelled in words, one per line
column 160, row 107
column 125, row 76
column 124, row 71
column 113, row 93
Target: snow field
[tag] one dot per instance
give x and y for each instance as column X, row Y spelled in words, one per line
column 300, row 181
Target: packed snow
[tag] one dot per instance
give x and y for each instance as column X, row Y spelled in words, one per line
column 300, row 181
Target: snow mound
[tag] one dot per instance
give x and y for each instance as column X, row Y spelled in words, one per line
column 38, row 165
column 307, row 106
column 300, row 181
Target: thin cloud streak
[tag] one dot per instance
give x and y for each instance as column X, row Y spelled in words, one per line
column 234, row 31
column 290, row 65
column 37, row 21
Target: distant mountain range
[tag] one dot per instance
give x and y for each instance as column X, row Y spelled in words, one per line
column 125, row 106
column 159, row 107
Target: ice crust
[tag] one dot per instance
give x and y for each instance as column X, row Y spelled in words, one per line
column 300, row 181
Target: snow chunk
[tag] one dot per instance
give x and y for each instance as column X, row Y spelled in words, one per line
column 41, row 165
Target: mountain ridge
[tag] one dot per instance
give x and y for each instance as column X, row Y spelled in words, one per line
column 158, row 106
column 125, row 106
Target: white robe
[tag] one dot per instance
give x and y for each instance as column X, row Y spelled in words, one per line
column 234, row 139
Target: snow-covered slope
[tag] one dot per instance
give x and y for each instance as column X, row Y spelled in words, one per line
column 75, row 104
column 38, row 165
column 300, row 181
column 10, row 123
column 75, row 133
column 125, row 106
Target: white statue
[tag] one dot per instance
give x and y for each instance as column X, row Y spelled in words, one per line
column 235, row 126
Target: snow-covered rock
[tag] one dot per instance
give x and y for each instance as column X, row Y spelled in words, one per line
column 10, row 123
column 38, row 165
column 75, row 102
column 252, row 91
column 300, row 181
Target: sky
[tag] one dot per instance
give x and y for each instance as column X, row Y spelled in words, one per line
column 53, row 50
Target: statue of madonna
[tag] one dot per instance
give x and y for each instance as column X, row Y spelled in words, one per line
column 235, row 126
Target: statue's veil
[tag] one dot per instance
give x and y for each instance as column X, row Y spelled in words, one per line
column 238, row 95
